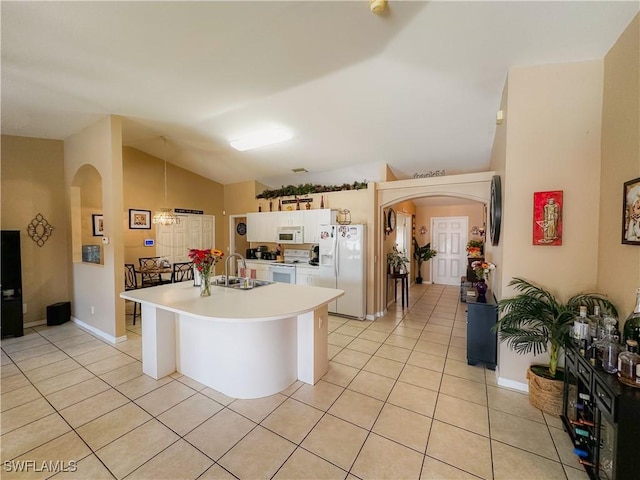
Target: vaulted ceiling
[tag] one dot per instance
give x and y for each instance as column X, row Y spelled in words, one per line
column 416, row 88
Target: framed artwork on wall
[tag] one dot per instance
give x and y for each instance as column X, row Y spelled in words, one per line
column 547, row 218
column 139, row 219
column 98, row 225
column 631, row 212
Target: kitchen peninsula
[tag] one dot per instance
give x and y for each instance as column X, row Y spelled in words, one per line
column 244, row 344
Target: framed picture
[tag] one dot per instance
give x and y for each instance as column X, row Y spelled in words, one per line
column 547, row 218
column 631, row 212
column 98, row 225
column 139, row 219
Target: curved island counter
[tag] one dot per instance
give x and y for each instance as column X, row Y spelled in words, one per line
column 242, row 343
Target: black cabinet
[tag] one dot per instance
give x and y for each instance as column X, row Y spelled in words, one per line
column 602, row 417
column 481, row 340
column 11, row 284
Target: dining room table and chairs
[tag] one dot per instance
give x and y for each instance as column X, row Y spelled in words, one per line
column 131, row 283
column 182, row 272
column 152, row 269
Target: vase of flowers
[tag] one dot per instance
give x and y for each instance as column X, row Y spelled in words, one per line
column 482, row 271
column 204, row 261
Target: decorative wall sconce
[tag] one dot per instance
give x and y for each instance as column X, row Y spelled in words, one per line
column 39, row 230
column 482, row 231
column 423, row 230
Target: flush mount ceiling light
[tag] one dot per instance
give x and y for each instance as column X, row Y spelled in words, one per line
column 165, row 216
column 299, row 170
column 261, row 138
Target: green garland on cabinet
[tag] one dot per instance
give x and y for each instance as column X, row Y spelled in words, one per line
column 307, row 188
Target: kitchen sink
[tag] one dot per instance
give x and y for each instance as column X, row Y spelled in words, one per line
column 240, row 283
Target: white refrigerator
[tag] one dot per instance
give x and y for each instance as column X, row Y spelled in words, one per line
column 342, row 265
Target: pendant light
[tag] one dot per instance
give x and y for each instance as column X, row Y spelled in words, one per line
column 165, row 216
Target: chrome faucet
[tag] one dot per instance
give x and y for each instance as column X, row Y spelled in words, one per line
column 226, row 266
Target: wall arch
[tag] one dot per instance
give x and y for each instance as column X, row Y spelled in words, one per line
column 473, row 186
column 86, row 201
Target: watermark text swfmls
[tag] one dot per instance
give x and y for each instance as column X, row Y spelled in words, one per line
column 53, row 466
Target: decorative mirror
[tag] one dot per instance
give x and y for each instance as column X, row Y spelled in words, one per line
column 39, row 230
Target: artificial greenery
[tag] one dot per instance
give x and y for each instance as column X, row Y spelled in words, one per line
column 422, row 254
column 308, row 188
column 536, row 321
column 475, row 243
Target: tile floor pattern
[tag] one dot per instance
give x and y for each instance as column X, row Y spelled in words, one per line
column 398, row 402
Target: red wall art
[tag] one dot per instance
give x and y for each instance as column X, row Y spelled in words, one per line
column 547, row 218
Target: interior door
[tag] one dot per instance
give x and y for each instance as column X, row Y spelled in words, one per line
column 449, row 238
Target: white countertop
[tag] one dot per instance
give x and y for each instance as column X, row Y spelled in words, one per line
column 269, row 302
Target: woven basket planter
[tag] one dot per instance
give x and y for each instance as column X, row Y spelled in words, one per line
column 545, row 394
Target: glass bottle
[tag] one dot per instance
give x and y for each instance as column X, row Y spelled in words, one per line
column 627, row 362
column 270, row 205
column 581, row 327
column 632, row 323
column 595, row 322
column 279, row 205
column 609, row 347
column 321, row 201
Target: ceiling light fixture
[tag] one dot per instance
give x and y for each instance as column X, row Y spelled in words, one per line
column 300, row 170
column 378, row 6
column 261, row 139
column 165, row 216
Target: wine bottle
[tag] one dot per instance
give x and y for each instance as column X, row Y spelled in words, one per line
column 631, row 327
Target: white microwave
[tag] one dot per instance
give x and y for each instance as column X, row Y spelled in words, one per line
column 290, row 235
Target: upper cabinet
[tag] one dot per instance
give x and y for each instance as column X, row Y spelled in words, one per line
column 263, row 226
column 291, row 218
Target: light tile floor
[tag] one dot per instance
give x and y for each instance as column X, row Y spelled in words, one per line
column 399, row 402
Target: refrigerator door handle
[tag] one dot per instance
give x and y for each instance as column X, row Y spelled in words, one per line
column 336, row 249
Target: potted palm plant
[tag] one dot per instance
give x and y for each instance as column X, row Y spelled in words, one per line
column 536, row 321
column 421, row 255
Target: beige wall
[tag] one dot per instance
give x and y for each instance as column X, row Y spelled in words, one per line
column 475, row 212
column 552, row 143
column 143, row 178
column 618, row 264
column 98, row 287
column 32, row 182
column 497, row 164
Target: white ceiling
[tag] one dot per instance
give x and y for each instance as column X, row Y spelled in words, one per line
column 417, row 88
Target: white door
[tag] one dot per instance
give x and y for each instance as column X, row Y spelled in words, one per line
column 449, row 238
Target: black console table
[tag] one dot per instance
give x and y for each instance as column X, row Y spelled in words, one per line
column 481, row 340
column 602, row 417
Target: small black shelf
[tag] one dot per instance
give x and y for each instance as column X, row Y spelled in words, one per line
column 481, row 340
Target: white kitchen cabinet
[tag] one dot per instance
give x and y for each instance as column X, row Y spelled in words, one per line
column 306, row 275
column 261, row 268
column 262, row 227
column 291, row 218
column 312, row 221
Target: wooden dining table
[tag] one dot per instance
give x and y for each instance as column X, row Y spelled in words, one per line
column 151, row 272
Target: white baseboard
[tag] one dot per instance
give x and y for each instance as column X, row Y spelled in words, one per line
column 97, row 332
column 505, row 382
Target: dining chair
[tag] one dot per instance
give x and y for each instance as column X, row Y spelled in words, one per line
column 149, row 267
column 131, row 283
column 182, row 272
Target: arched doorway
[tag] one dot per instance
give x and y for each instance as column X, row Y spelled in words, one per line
column 474, row 186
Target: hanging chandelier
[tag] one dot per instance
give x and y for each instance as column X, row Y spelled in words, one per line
column 165, row 216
